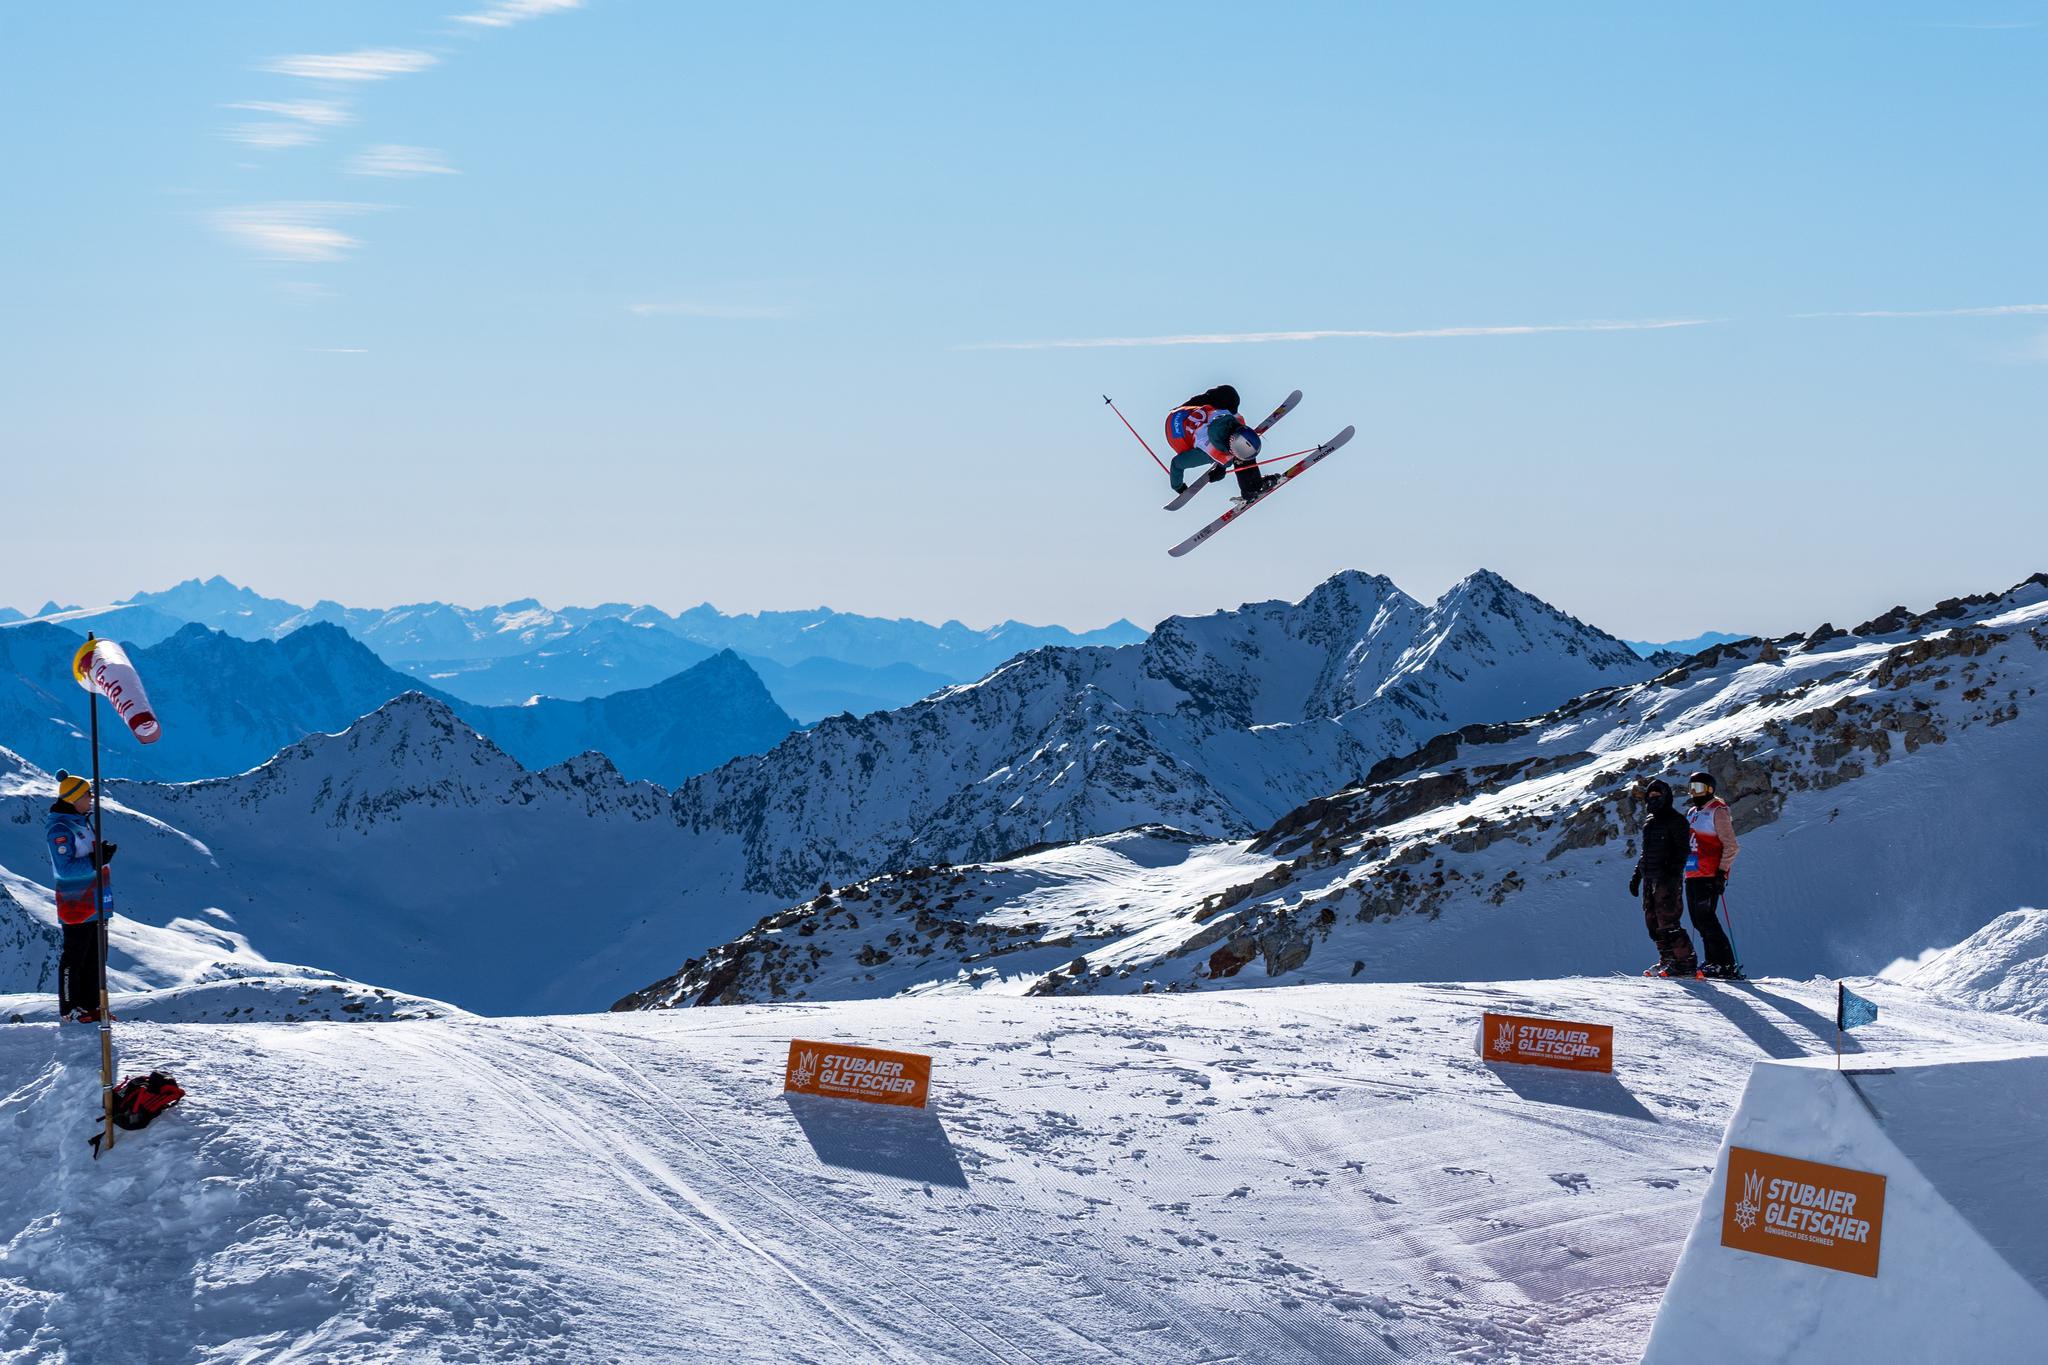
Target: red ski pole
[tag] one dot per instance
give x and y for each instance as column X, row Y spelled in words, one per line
column 1134, row 433
column 1729, row 917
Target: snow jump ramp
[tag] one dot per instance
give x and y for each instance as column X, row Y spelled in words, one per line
column 1943, row 1259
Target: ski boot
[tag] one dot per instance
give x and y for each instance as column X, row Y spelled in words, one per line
column 1717, row 972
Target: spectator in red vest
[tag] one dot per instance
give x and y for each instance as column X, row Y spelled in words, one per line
column 1706, row 872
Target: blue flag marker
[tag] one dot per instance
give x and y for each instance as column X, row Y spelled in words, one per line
column 1851, row 1009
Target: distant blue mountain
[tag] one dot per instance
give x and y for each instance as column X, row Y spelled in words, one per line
column 229, row 704
column 817, row 688
column 492, row 654
column 1650, row 650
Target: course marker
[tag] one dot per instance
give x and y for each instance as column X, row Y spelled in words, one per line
column 843, row 1071
column 1530, row 1041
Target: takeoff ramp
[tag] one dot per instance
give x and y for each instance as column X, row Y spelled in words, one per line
column 1895, row 1214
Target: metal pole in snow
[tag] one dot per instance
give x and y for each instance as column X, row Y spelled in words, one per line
column 99, row 899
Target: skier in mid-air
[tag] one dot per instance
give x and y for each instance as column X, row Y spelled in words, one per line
column 1208, row 438
column 1667, row 843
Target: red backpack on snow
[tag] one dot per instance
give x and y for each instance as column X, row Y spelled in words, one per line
column 139, row 1099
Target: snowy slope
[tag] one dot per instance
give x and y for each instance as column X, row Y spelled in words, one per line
column 2003, row 966
column 1314, row 1174
column 1885, row 783
column 410, row 852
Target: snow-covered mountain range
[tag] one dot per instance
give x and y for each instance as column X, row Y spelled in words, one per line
column 509, row 652
column 1886, row 783
column 237, row 702
column 411, row 851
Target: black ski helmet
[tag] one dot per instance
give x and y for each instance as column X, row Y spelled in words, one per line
column 1701, row 778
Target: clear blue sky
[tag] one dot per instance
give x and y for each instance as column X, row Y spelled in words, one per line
column 651, row 301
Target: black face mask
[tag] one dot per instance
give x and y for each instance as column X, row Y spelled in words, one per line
column 1659, row 802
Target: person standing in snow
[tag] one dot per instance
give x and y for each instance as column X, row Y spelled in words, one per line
column 1208, row 437
column 78, row 864
column 1706, row 871
column 1659, row 872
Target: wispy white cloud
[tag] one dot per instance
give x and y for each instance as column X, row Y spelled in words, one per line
column 708, row 310
column 322, row 113
column 291, row 232
column 505, row 13
column 397, row 162
column 370, row 64
column 272, row 136
column 1257, row 338
column 1997, row 310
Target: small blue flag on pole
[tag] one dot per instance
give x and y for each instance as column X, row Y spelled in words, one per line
column 1851, row 1009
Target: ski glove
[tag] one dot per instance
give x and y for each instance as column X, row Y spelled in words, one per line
column 1635, row 883
column 104, row 855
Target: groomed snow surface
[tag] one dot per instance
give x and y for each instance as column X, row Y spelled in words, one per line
column 1305, row 1173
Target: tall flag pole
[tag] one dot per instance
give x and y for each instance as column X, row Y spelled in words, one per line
column 99, row 893
column 103, row 668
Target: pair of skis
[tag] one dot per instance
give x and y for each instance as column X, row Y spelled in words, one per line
column 1236, row 510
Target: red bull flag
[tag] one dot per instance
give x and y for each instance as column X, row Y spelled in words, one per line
column 102, row 666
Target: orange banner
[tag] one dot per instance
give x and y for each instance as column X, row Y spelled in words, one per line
column 858, row 1073
column 1807, row 1211
column 1546, row 1042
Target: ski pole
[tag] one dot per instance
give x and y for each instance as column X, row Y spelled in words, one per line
column 1728, row 917
column 1134, row 432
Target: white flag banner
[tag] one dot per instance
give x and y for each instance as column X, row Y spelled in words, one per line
column 102, row 666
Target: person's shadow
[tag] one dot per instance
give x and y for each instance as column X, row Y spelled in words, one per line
column 892, row 1140
column 1734, row 1005
column 1598, row 1091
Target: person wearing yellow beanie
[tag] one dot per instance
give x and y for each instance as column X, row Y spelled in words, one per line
column 78, row 862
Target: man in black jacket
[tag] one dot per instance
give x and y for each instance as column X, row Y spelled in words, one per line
column 1659, row 879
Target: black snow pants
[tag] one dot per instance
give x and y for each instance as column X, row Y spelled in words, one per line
column 1703, row 898
column 1664, row 915
column 78, row 968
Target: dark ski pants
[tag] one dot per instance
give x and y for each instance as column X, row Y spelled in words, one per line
column 78, row 968
column 1664, row 915
column 1703, row 898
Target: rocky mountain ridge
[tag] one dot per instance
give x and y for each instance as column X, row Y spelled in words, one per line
column 1883, row 779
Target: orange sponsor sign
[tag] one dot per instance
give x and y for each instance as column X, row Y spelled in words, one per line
column 846, row 1072
column 1806, row 1211
column 1546, row 1042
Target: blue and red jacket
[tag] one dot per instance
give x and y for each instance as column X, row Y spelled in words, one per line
column 71, row 865
column 1202, row 428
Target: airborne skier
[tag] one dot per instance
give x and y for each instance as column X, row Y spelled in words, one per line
column 1208, row 438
